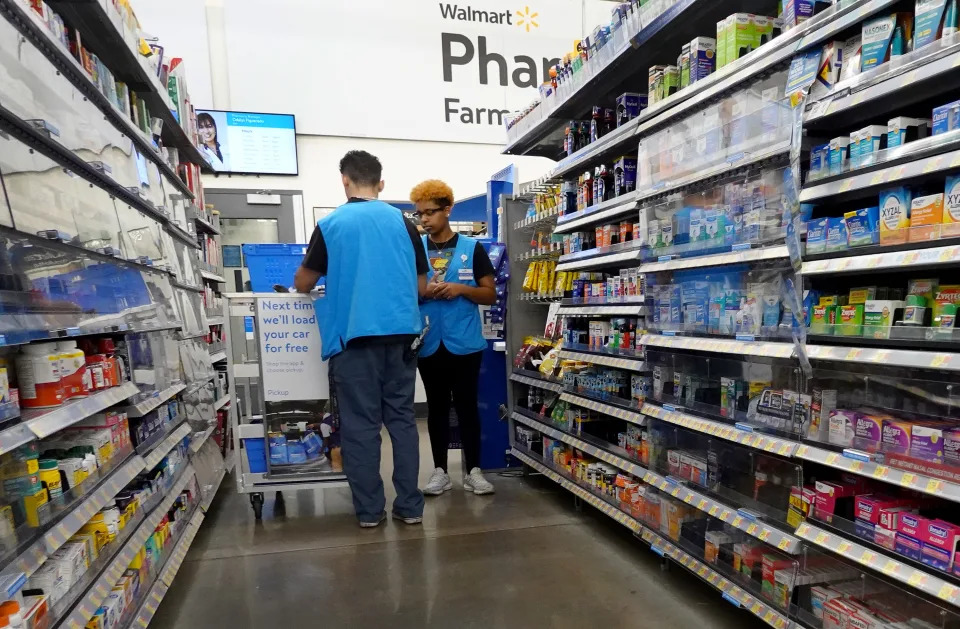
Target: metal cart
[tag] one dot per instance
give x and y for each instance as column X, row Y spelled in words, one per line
column 284, row 421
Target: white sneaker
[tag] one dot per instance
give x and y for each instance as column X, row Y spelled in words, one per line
column 439, row 482
column 476, row 483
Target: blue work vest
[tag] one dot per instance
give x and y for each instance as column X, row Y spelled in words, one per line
column 456, row 322
column 371, row 287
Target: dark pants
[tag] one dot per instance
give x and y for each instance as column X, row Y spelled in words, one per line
column 375, row 387
column 444, row 374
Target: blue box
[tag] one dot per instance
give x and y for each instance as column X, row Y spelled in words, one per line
column 839, row 154
column 946, row 117
column 278, row 450
column 256, row 455
column 629, row 105
column 864, row 529
column 296, row 452
column 836, row 234
column 909, row 546
column 820, row 160
column 863, row 226
column 817, row 235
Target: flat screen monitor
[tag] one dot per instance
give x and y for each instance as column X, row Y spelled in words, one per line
column 248, row 143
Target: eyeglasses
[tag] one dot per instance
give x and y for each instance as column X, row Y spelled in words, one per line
column 427, row 212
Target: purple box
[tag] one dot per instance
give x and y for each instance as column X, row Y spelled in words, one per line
column 867, row 431
column 951, row 446
column 926, row 442
column 865, row 530
column 896, row 436
column 936, row 557
column 909, row 547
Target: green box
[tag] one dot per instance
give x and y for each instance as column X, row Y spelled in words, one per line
column 878, row 316
column 740, row 36
column 822, row 319
column 850, row 320
column 721, row 43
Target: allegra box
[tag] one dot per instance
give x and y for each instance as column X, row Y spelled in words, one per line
column 896, row 436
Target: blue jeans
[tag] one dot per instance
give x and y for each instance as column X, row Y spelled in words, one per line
column 375, row 387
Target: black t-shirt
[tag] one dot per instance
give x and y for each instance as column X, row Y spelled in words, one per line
column 440, row 255
column 317, row 260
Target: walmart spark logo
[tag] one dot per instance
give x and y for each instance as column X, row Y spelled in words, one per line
column 526, row 19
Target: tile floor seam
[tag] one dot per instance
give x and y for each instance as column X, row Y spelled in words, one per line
column 188, row 559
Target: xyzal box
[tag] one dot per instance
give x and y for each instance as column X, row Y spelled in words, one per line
column 951, row 207
column 703, row 58
column 894, row 215
column 946, row 117
column 862, row 226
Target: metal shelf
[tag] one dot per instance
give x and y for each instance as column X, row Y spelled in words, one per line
column 536, row 256
column 767, row 349
column 45, row 422
column 221, row 402
column 88, row 604
column 734, row 592
column 614, row 142
column 596, row 213
column 15, row 436
column 214, row 321
column 604, row 359
column 776, row 252
column 890, row 357
column 159, row 397
column 164, row 580
column 609, row 310
column 213, row 277
column 218, row 356
column 893, row 475
column 541, row 383
column 54, row 534
column 197, row 443
column 534, row 223
column 628, row 255
column 634, row 417
column 101, row 37
column 206, row 226
column 28, row 23
column 153, row 457
column 227, row 467
column 919, row 258
column 760, row 441
column 881, row 562
column 182, row 235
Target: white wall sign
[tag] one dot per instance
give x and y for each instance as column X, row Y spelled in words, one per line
column 289, row 338
column 413, row 69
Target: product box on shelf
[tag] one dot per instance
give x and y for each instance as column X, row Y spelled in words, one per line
column 883, row 37
column 901, row 130
column 703, row 58
column 951, row 207
column 929, row 21
column 894, row 215
column 946, row 118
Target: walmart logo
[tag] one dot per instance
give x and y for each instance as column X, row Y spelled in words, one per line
column 526, row 19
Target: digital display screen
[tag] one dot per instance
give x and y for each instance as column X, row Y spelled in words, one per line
column 248, row 143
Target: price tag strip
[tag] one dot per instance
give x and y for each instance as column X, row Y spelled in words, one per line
column 45, row 422
column 881, row 562
column 911, row 480
column 618, row 310
column 87, row 606
column 556, row 387
column 893, row 357
column 634, row 417
column 37, row 553
column 720, row 345
column 142, row 408
column 175, row 559
column 761, row 609
column 607, row 361
column 717, row 259
column 759, row 441
column 594, row 501
column 156, row 455
column 603, row 455
column 926, row 257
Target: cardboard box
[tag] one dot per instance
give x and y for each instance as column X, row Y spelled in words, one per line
column 879, row 43
column 740, row 36
column 894, row 215
column 928, row 22
column 908, row 546
column 703, row 58
column 878, row 317
column 951, row 207
column 926, row 442
column 862, row 226
column 946, row 118
column 902, row 129
column 926, row 216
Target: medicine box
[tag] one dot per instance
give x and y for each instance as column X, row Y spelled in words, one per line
column 762, row 29
column 796, row 12
column 854, row 149
column 878, row 317
column 928, row 22
column 820, row 160
column 894, row 215
column 951, row 207
column 703, row 58
column 851, row 57
column 831, row 61
column 836, row 234
column 926, row 215
column 946, row 117
column 872, row 139
column 839, row 154
column 862, row 226
column 902, row 129
column 878, row 41
column 740, row 36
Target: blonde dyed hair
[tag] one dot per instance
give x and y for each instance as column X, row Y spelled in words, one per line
column 432, row 190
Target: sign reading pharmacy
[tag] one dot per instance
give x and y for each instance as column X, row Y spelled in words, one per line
column 289, row 339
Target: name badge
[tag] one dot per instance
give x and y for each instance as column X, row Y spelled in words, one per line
column 465, row 275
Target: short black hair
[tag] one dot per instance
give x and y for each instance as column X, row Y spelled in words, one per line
column 361, row 168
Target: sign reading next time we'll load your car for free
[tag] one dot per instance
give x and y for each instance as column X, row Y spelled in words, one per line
column 289, row 340
column 416, row 69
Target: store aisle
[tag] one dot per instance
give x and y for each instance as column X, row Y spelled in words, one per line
column 521, row 558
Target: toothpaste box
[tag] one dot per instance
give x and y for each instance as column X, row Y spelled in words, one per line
column 951, row 207
column 926, row 442
column 926, row 215
column 902, row 129
column 836, row 234
column 896, row 436
column 908, row 546
column 894, row 215
column 946, row 117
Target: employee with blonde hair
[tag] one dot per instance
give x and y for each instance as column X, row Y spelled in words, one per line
column 460, row 277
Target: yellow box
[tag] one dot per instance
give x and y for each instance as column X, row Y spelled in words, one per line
column 31, row 504
column 16, row 469
column 926, row 215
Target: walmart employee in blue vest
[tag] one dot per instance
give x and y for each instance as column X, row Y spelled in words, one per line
column 460, row 278
column 376, row 269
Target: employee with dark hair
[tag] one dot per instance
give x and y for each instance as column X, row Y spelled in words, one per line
column 375, row 267
column 461, row 277
column 210, row 143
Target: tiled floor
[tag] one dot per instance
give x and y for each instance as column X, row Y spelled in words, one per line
column 523, row 557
